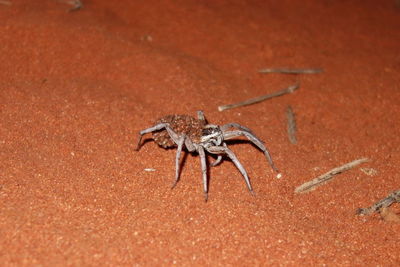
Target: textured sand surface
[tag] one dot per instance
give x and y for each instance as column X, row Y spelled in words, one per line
column 76, row 87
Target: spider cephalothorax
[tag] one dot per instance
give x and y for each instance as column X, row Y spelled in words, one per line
column 197, row 135
column 211, row 135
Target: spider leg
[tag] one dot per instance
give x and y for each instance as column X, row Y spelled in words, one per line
column 254, row 140
column 202, row 155
column 216, row 162
column 174, row 136
column 180, row 142
column 232, row 156
column 189, row 145
column 235, row 125
column 149, row 130
column 200, row 115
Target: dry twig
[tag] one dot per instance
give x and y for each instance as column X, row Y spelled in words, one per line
column 288, row 90
column 291, row 71
column 327, row 176
column 383, row 203
column 291, row 125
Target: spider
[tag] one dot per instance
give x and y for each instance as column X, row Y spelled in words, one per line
column 197, row 135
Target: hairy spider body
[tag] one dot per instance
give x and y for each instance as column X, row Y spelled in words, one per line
column 182, row 124
column 199, row 136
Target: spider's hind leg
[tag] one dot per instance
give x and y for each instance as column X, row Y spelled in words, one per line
column 149, row 130
column 180, row 142
column 201, row 117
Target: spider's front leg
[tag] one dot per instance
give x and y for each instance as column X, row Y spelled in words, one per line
column 200, row 149
column 225, row 150
column 219, row 158
column 254, row 140
column 157, row 127
column 216, row 162
column 235, row 125
column 203, row 162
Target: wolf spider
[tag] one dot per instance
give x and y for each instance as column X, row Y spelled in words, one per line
column 197, row 135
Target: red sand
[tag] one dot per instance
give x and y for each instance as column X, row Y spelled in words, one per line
column 76, row 87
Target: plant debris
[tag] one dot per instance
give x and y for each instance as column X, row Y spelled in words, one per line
column 311, row 185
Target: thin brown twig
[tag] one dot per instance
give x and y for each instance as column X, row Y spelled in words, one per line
column 308, row 186
column 291, row 71
column 291, row 128
column 383, row 203
column 288, row 90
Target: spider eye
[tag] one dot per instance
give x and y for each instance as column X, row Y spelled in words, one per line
column 211, row 134
column 210, row 131
column 207, row 131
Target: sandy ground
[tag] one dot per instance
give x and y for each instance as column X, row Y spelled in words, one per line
column 76, row 87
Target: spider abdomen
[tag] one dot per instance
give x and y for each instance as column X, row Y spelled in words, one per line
column 180, row 124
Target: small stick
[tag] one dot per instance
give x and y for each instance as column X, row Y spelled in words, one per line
column 291, row 125
column 327, row 176
column 383, row 203
column 288, row 90
column 292, row 71
column 7, row 3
